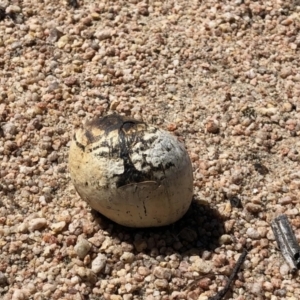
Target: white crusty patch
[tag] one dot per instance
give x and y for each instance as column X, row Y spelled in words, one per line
column 163, row 149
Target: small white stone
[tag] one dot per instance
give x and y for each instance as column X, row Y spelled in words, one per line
column 252, row 233
column 75, row 279
column 256, row 288
column 13, row 9
column 267, row 111
column 287, row 107
column 98, row 264
column 202, row 266
column 284, row 269
column 268, row 286
column 128, row 287
column 104, row 34
column 63, row 41
column 58, row 227
column 127, row 297
column 49, row 287
column 162, row 273
column 82, row 248
column 121, row 273
column 127, row 257
column 64, row 216
column 9, row 128
column 37, row 224
column 23, row 227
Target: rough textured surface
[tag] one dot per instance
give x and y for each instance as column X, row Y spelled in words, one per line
column 223, row 76
column 133, row 173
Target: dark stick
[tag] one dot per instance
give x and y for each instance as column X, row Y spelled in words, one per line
column 286, row 241
column 232, row 276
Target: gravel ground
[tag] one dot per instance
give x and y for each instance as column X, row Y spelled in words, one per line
column 224, row 76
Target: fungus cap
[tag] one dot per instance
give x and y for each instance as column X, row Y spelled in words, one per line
column 133, row 173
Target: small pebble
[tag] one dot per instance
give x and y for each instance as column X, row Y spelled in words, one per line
column 161, row 284
column 268, row 286
column 37, row 224
column 204, row 283
column 202, row 266
column 62, row 42
column 256, row 288
column 285, row 72
column 162, row 273
column 127, row 257
column 98, row 264
column 287, row 107
column 82, row 248
column 13, row 9
column 58, row 227
column 115, row 297
column 253, row 234
column 225, row 239
column 284, row 269
column 54, row 35
column 143, row 271
column 9, row 128
column 212, row 126
column 253, row 208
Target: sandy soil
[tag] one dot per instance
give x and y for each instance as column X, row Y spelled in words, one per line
column 223, row 76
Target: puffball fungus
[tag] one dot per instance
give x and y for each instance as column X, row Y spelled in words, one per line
column 133, row 173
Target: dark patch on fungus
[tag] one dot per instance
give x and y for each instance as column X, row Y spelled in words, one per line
column 90, row 137
column 144, row 206
column 79, row 145
column 127, row 125
column 108, row 124
column 112, row 122
column 169, row 165
column 128, row 135
column 131, row 174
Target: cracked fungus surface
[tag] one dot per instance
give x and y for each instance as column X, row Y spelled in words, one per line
column 133, row 173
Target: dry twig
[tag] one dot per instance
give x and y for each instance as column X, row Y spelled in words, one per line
column 235, row 270
column 286, row 241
